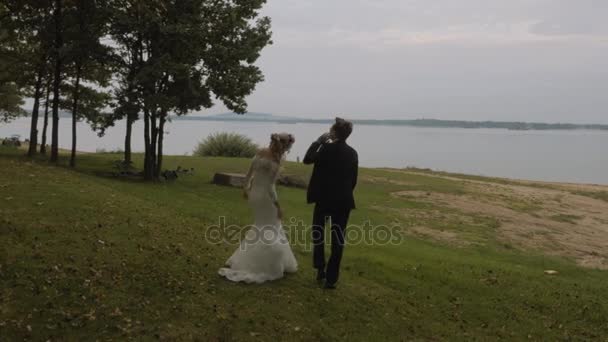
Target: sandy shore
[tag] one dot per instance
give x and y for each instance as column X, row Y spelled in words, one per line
column 562, row 219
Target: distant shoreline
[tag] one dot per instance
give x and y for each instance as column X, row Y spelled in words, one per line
column 428, row 123
column 423, row 123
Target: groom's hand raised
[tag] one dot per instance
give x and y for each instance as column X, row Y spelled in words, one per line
column 324, row 138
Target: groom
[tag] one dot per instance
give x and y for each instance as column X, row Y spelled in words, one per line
column 331, row 186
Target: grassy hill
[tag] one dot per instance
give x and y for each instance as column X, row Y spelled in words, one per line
column 85, row 256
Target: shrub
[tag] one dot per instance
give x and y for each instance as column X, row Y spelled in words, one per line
column 226, row 145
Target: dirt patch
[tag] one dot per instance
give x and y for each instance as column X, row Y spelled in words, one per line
column 438, row 235
column 377, row 180
column 552, row 220
column 419, row 222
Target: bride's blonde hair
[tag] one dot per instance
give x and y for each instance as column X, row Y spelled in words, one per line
column 281, row 143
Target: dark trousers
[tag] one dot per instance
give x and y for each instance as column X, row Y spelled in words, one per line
column 339, row 221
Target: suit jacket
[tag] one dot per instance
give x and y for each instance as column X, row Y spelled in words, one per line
column 334, row 175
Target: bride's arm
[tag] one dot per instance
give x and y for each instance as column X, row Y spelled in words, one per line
column 273, row 191
column 275, row 200
column 248, row 180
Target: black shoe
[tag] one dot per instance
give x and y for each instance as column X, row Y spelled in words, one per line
column 320, row 275
column 329, row 286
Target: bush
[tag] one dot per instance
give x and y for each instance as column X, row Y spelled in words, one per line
column 226, row 145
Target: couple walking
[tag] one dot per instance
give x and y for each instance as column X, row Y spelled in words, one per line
column 265, row 253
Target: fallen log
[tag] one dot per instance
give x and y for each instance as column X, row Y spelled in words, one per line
column 229, row 179
column 237, row 180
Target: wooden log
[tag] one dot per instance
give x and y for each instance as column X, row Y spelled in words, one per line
column 238, row 180
column 229, row 179
column 292, row 182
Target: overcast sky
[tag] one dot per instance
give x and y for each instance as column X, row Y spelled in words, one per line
column 532, row 60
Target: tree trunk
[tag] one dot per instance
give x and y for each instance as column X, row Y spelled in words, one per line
column 131, row 98
column 148, row 167
column 161, row 135
column 128, row 139
column 57, row 80
column 46, row 117
column 75, row 97
column 34, row 128
column 153, row 138
column 76, row 94
column 153, row 144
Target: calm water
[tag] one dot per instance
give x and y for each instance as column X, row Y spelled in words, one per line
column 571, row 156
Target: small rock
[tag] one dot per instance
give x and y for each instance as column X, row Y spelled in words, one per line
column 551, row 272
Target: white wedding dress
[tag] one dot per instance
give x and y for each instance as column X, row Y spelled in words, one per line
column 264, row 254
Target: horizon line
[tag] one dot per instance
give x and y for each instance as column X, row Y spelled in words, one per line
column 278, row 117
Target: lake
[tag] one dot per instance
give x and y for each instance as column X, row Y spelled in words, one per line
column 564, row 156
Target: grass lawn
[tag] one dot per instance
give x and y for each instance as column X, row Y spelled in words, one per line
column 87, row 256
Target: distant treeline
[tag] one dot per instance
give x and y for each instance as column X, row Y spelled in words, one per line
column 520, row 126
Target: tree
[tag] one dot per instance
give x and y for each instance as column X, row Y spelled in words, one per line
column 128, row 107
column 45, row 124
column 11, row 96
column 87, row 62
column 185, row 52
column 58, row 59
column 11, row 101
column 127, row 104
column 30, row 21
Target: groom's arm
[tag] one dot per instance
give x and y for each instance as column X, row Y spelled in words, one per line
column 314, row 151
column 312, row 155
column 355, row 170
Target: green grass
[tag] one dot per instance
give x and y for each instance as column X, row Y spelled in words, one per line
column 601, row 195
column 85, row 256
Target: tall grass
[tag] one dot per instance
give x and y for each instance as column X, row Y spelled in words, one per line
column 226, row 145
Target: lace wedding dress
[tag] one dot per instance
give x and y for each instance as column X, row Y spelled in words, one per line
column 264, row 254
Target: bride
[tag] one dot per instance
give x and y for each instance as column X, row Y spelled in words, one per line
column 264, row 254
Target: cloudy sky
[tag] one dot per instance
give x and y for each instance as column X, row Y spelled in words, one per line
column 532, row 60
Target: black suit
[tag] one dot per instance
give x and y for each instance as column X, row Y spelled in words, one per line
column 331, row 186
